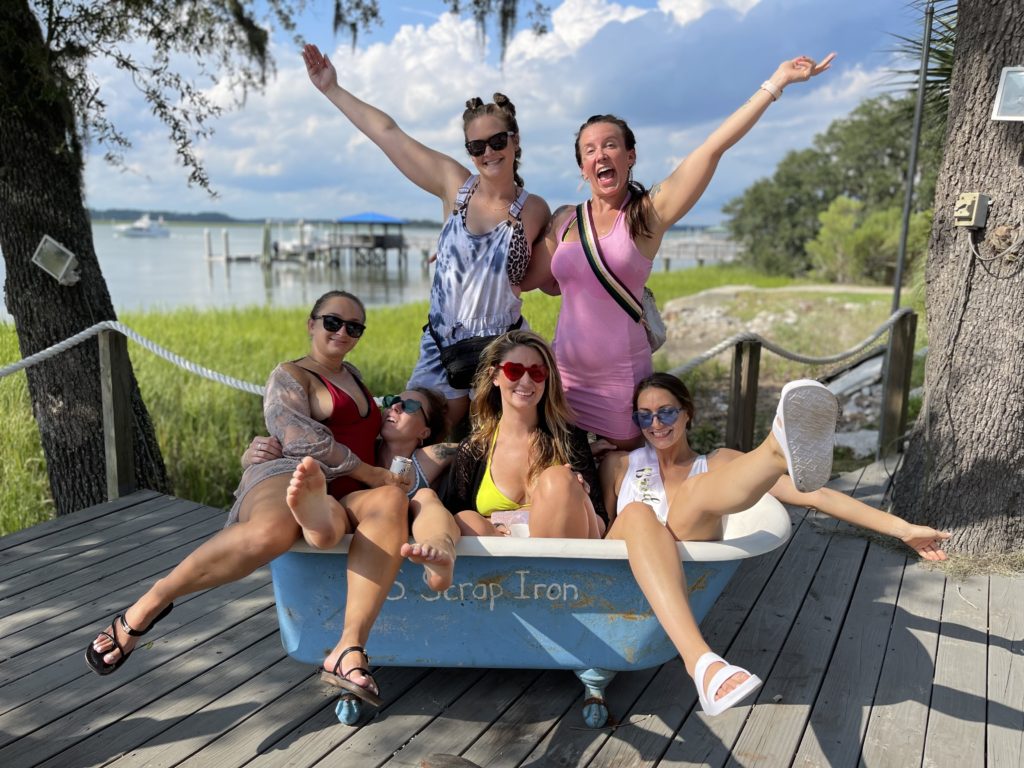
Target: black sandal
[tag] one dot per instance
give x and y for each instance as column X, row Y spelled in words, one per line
column 336, row 679
column 94, row 658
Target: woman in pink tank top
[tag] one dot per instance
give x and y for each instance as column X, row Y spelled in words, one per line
column 602, row 353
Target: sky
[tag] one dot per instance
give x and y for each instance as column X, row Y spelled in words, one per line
column 674, row 69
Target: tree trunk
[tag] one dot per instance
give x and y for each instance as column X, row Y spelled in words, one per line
column 965, row 464
column 41, row 193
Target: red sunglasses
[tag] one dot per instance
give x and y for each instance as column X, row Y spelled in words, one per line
column 515, row 371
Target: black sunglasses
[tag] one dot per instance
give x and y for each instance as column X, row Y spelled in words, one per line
column 497, row 142
column 333, row 324
column 407, row 406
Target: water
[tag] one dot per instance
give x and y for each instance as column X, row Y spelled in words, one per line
column 172, row 272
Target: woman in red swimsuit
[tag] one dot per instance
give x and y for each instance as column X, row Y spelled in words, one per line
column 328, row 423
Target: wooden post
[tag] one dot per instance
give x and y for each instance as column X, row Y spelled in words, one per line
column 746, row 362
column 118, row 420
column 896, row 371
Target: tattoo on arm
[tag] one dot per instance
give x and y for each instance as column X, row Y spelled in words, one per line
column 653, row 192
column 442, row 451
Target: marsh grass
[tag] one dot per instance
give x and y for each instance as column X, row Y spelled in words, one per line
column 203, row 427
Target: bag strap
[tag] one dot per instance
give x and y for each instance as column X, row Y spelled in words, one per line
column 437, row 339
column 465, row 191
column 515, row 210
column 605, row 276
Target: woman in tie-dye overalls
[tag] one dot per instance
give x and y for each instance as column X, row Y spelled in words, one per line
column 491, row 221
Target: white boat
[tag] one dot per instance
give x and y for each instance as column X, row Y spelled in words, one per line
column 144, row 227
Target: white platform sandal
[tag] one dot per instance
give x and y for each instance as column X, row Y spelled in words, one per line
column 804, row 426
column 708, row 703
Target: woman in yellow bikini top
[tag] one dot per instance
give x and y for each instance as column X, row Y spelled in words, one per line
column 523, row 451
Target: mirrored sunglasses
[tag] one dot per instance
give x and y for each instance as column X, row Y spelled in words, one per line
column 497, row 142
column 515, row 371
column 406, row 406
column 333, row 324
column 667, row 415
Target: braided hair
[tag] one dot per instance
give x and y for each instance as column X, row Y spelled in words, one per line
column 503, row 109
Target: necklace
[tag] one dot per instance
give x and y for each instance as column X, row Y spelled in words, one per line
column 504, row 205
column 334, row 371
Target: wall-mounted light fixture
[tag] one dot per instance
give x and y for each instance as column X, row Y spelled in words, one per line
column 1010, row 96
column 56, row 261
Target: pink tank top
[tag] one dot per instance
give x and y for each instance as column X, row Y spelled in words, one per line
column 601, row 352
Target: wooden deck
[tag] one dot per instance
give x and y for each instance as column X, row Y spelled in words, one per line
column 867, row 659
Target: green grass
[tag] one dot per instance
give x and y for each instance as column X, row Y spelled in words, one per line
column 203, row 427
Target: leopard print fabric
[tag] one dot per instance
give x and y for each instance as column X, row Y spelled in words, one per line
column 518, row 253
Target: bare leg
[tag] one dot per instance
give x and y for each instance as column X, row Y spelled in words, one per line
column 472, row 523
column 435, row 533
column 265, row 529
column 381, row 520
column 559, row 508
column 654, row 560
column 728, row 488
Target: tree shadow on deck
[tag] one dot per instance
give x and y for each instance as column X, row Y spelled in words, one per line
column 658, row 727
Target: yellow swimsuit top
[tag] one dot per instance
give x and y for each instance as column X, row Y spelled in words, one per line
column 488, row 498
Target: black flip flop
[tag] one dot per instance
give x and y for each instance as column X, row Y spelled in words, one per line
column 95, row 659
column 337, row 680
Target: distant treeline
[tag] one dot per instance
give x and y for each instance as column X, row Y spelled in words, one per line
column 131, row 214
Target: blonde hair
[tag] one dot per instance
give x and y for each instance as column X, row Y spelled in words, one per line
column 550, row 443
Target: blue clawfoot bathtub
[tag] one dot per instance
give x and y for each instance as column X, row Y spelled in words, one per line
column 517, row 603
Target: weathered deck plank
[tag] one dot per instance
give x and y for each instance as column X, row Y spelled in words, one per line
column 956, row 723
column 1005, row 717
column 899, row 714
column 878, row 661
column 838, row 720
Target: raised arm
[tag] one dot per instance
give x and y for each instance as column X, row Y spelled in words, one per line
column 428, row 169
column 678, row 193
column 927, row 542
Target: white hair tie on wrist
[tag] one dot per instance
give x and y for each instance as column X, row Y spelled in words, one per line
column 773, row 90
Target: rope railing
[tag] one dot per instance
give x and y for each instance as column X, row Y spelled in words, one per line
column 748, row 336
column 256, row 389
column 166, row 354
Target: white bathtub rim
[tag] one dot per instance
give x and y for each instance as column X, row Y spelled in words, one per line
column 750, row 533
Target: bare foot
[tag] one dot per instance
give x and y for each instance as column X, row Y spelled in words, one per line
column 437, row 556
column 729, row 685
column 310, row 505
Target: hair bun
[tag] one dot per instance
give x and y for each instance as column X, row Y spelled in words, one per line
column 501, row 100
column 475, row 103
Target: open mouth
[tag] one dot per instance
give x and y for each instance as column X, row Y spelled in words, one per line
column 606, row 176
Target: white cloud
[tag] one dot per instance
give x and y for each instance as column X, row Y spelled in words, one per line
column 573, row 24
column 685, row 11
column 290, row 153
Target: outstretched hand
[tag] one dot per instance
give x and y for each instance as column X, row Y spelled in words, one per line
column 319, row 68
column 800, row 69
column 927, row 542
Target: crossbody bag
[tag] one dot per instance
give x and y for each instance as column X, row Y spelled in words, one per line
column 644, row 311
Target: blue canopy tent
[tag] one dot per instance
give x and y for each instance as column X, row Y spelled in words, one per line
column 368, row 237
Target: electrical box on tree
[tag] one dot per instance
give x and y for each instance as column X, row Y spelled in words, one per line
column 971, row 210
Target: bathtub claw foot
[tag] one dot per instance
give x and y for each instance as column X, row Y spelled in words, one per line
column 595, row 712
column 595, row 680
column 348, row 710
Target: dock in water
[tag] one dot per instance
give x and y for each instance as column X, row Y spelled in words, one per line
column 867, row 657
